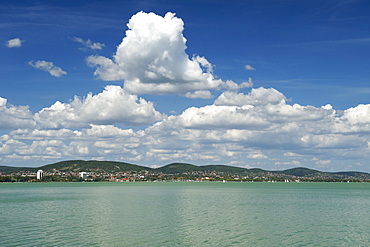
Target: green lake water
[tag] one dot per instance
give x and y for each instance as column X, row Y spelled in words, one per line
column 185, row 214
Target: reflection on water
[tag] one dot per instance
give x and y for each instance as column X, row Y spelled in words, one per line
column 184, row 214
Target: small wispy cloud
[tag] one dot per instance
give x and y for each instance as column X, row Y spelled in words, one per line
column 201, row 94
column 291, row 154
column 88, row 44
column 248, row 67
column 49, row 67
column 14, row 43
column 257, row 156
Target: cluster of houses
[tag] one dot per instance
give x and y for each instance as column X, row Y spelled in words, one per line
column 158, row 176
column 40, row 174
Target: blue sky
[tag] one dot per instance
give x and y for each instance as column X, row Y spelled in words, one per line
column 268, row 84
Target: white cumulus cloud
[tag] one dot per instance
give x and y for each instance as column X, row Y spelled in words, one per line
column 16, row 42
column 259, row 127
column 151, row 59
column 257, row 156
column 113, row 105
column 357, row 115
column 12, row 117
column 257, row 96
column 49, row 67
column 202, row 94
column 291, row 154
column 261, row 119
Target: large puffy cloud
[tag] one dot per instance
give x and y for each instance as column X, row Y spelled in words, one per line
column 357, row 115
column 12, row 117
column 354, row 120
column 260, row 109
column 152, row 59
column 212, row 116
column 113, row 105
column 260, row 120
column 257, row 96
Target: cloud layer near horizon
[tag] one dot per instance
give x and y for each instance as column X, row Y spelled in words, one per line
column 255, row 130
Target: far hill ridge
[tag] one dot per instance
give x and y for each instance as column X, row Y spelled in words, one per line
column 174, row 168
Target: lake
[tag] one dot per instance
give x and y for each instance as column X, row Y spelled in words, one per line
column 185, row 214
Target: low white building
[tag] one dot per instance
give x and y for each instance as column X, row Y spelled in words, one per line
column 83, row 175
column 39, row 174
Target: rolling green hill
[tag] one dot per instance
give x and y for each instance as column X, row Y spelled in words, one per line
column 12, row 169
column 301, row 172
column 94, row 166
column 177, row 169
column 225, row 169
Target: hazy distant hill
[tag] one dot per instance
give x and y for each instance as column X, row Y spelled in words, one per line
column 301, row 172
column 305, row 172
column 257, row 170
column 177, row 168
column 225, row 169
column 11, row 169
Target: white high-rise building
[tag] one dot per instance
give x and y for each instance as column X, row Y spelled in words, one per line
column 39, row 174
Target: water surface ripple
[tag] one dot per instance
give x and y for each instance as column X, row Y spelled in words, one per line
column 185, row 214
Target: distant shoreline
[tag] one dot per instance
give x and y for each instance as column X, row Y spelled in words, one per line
column 184, row 181
column 80, row 170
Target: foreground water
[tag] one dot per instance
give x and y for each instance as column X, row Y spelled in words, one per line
column 185, row 214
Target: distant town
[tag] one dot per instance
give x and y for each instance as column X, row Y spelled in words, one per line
column 97, row 171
